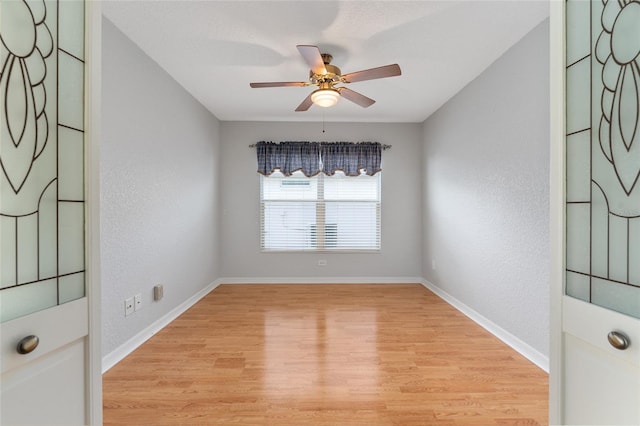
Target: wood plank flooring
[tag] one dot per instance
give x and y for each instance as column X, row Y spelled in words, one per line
column 324, row 355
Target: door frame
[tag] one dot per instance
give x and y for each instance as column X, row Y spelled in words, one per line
column 93, row 87
column 556, row 206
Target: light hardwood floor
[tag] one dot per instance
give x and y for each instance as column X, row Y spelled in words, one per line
column 324, row 355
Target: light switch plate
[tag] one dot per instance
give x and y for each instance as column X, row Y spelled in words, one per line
column 137, row 302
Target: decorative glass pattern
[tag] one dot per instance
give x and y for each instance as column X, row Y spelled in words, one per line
column 603, row 153
column 41, row 154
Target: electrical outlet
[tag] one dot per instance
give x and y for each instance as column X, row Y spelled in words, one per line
column 128, row 306
column 137, row 302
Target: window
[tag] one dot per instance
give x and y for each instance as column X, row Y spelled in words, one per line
column 321, row 213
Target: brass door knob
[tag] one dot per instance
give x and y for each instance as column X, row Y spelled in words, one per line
column 28, row 344
column 618, row 340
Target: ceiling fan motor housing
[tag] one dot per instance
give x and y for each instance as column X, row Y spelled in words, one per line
column 333, row 75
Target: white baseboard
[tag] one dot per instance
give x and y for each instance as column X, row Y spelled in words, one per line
column 321, row 280
column 518, row 345
column 132, row 344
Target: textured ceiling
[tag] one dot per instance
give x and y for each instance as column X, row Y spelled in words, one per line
column 214, row 49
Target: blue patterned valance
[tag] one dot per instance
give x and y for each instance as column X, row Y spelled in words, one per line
column 312, row 158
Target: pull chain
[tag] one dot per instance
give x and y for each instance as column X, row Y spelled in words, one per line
column 323, row 121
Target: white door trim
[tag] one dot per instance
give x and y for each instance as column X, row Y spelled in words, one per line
column 93, row 87
column 556, row 193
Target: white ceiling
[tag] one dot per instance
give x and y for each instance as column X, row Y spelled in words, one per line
column 214, row 49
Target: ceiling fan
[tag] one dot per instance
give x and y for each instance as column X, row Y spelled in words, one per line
column 327, row 76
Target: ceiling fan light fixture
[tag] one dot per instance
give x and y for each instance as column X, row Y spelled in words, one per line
column 325, row 97
column 326, row 76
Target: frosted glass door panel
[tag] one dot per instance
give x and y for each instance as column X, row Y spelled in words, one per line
column 42, row 155
column 603, row 153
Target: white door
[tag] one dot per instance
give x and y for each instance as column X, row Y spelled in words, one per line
column 49, row 356
column 596, row 181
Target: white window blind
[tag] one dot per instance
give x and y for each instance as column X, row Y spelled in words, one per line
column 321, row 213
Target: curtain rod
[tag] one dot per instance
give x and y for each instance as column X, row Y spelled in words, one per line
column 384, row 146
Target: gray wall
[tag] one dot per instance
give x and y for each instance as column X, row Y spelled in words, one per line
column 159, row 189
column 401, row 216
column 486, row 192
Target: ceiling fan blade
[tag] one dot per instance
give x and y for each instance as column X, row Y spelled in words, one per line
column 373, row 73
column 279, row 84
column 305, row 105
column 356, row 97
column 313, row 58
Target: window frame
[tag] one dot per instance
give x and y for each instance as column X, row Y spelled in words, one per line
column 321, row 203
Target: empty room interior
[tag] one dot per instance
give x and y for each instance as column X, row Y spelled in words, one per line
column 319, row 212
column 463, row 215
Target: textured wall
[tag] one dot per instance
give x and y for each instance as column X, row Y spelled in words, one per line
column 159, row 190
column 486, row 192
column 400, row 254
